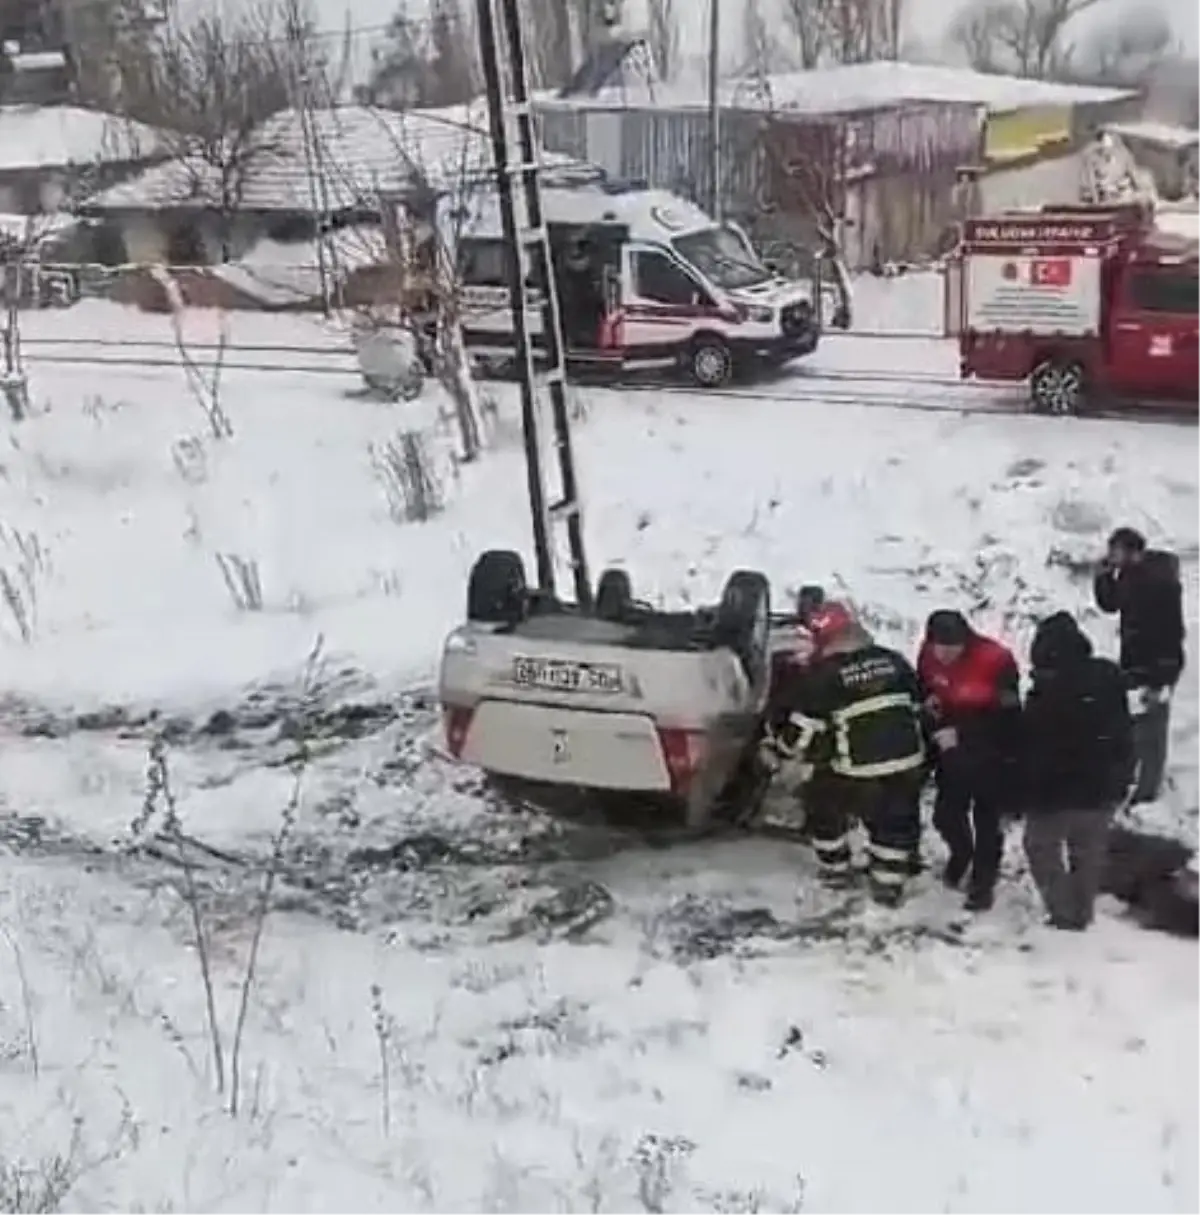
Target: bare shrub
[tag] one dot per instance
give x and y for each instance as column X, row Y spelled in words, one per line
column 382, row 1021
column 656, row 1160
column 161, row 803
column 309, row 693
column 31, row 1043
column 20, row 577
column 204, row 383
column 405, row 469
column 43, row 1186
column 242, row 581
column 159, row 800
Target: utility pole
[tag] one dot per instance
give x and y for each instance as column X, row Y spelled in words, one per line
column 527, row 254
column 714, row 106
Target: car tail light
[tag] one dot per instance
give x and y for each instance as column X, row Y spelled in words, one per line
column 685, row 752
column 457, row 721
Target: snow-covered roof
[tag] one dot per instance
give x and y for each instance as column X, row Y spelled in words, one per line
column 58, row 136
column 33, row 229
column 359, row 152
column 861, row 86
column 1156, row 132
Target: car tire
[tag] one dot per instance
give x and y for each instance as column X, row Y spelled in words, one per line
column 614, row 595
column 1056, row 388
column 710, row 361
column 497, row 591
column 744, row 622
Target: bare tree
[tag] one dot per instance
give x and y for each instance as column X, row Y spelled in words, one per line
column 551, row 60
column 1128, row 48
column 1028, row 37
column 662, row 36
column 425, row 60
column 209, row 87
column 807, row 21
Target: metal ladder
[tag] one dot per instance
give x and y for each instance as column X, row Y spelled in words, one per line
column 527, row 249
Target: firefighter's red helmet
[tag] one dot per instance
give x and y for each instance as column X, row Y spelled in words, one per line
column 828, row 623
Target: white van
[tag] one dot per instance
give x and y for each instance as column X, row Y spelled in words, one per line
column 644, row 278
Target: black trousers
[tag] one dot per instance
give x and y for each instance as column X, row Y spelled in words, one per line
column 888, row 807
column 966, row 814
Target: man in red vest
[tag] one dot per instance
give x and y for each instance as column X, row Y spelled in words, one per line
column 972, row 702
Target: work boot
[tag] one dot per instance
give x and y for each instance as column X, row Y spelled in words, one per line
column 979, row 898
column 886, row 894
column 955, row 870
column 837, row 879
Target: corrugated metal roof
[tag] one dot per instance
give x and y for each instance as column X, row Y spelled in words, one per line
column 361, row 152
column 855, row 87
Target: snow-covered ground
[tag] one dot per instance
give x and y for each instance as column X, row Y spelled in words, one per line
column 467, row 1008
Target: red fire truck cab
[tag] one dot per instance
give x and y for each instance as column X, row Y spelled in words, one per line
column 1091, row 305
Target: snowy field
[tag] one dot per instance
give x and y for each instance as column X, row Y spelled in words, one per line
column 459, row 1007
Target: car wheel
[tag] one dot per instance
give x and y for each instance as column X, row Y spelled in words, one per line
column 1056, row 388
column 710, row 362
column 744, row 622
column 497, row 591
column 614, row 595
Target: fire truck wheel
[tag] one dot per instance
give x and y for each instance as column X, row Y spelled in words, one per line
column 1056, row 387
column 710, row 361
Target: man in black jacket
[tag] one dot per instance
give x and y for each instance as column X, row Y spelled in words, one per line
column 1142, row 585
column 1078, row 762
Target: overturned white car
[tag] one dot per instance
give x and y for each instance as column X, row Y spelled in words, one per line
column 626, row 697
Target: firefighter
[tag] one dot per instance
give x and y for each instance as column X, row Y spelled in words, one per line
column 853, row 716
column 1143, row 586
column 970, row 688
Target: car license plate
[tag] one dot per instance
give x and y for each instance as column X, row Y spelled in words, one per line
column 559, row 675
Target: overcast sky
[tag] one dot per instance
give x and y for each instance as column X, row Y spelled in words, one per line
column 926, row 20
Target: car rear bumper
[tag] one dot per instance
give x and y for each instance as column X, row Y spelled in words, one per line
column 545, row 743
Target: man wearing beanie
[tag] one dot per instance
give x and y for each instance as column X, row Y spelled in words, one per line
column 1142, row 585
column 1077, row 749
column 972, row 700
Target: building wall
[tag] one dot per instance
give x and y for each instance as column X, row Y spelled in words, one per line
column 158, row 237
column 33, row 191
column 1051, row 180
column 1024, row 133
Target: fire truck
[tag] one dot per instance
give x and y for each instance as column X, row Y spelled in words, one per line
column 1092, row 306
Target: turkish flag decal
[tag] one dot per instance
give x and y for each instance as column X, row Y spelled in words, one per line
column 1050, row 271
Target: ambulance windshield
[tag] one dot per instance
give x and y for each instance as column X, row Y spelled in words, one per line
column 724, row 256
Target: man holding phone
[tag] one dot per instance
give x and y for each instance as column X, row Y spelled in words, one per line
column 1141, row 585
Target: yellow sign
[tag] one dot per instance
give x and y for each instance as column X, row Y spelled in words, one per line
column 1024, row 132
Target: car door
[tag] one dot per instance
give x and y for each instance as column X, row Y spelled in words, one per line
column 664, row 302
column 1155, row 336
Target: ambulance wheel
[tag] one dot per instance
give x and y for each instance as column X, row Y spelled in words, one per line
column 710, row 361
column 744, row 622
column 497, row 591
column 1056, row 388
